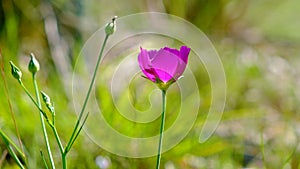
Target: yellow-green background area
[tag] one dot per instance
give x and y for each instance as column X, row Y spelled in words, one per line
column 257, row 41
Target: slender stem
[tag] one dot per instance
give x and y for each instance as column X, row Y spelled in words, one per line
column 44, row 160
column 289, row 158
column 161, row 128
column 15, row 157
column 77, row 134
column 34, row 102
column 262, row 148
column 45, row 134
column 11, row 151
column 64, row 161
column 7, row 139
column 60, row 146
column 87, row 96
column 3, row 157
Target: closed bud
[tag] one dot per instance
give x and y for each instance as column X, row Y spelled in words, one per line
column 15, row 71
column 110, row 27
column 46, row 98
column 47, row 102
column 33, row 65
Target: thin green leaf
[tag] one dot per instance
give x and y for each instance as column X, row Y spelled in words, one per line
column 9, row 102
column 6, row 138
column 44, row 160
column 8, row 144
column 76, row 135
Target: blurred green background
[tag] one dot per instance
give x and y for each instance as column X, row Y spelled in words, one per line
column 258, row 43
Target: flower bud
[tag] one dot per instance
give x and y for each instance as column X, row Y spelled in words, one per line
column 47, row 101
column 15, row 71
column 46, row 98
column 33, row 65
column 110, row 28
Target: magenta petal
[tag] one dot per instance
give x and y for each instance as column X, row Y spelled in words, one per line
column 165, row 65
column 184, row 53
column 174, row 51
column 180, row 69
column 145, row 64
column 150, row 74
column 152, row 54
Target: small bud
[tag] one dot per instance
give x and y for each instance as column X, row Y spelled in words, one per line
column 47, row 102
column 46, row 98
column 33, row 65
column 110, row 28
column 15, row 71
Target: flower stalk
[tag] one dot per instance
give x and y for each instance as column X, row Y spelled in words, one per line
column 109, row 30
column 163, row 67
column 34, row 67
column 162, row 126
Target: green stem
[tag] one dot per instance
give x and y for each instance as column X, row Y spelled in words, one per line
column 61, row 148
column 45, row 134
column 10, row 150
column 7, row 139
column 34, row 102
column 15, row 157
column 44, row 160
column 262, row 148
column 87, row 96
column 64, row 161
column 161, row 128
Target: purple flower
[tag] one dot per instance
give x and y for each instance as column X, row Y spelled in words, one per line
column 165, row 65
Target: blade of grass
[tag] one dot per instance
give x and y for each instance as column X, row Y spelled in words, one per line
column 8, row 144
column 6, row 138
column 262, row 148
column 4, row 154
column 288, row 159
column 9, row 103
column 44, row 160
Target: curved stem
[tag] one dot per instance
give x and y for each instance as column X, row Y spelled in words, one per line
column 45, row 134
column 87, row 97
column 161, row 128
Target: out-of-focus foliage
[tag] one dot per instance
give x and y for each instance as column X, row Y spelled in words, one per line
column 258, row 43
